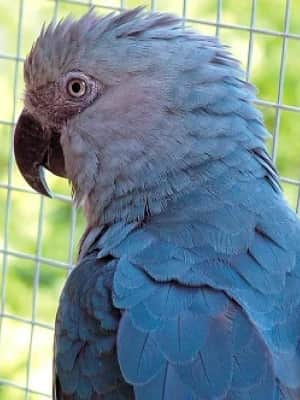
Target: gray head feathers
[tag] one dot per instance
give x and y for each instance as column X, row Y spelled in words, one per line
column 62, row 45
column 175, row 110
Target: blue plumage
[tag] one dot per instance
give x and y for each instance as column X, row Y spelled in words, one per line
column 205, row 316
column 85, row 366
column 188, row 280
column 209, row 299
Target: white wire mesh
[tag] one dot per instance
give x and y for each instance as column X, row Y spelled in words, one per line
column 23, row 385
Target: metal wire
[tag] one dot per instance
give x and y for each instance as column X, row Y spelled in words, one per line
column 218, row 17
column 9, row 174
column 281, row 81
column 10, row 187
column 250, row 47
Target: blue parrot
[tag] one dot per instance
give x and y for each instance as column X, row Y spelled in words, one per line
column 187, row 285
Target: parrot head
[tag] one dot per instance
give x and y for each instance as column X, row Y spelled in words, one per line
column 124, row 106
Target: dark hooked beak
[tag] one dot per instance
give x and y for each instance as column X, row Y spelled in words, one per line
column 36, row 148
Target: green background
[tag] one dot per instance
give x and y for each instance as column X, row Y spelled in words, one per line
column 29, row 287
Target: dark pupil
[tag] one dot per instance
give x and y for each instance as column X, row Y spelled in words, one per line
column 76, row 87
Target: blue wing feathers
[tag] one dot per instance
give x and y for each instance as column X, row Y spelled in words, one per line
column 166, row 384
column 186, row 326
column 177, row 341
column 210, row 374
column 139, row 363
column 235, row 282
column 84, row 363
column 201, row 302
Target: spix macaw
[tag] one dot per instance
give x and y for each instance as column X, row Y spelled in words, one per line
column 187, row 285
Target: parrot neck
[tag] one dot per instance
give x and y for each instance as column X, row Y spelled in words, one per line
column 109, row 205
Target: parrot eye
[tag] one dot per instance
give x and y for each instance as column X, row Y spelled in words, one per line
column 76, row 87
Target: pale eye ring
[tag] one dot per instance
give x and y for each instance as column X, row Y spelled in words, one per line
column 76, row 87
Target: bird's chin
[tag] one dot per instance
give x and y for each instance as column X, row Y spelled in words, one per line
column 37, row 147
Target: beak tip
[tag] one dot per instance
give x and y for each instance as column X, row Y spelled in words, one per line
column 43, row 186
column 38, row 182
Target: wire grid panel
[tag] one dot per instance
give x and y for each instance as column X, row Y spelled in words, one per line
column 32, row 251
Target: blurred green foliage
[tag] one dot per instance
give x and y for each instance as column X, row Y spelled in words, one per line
column 32, row 288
